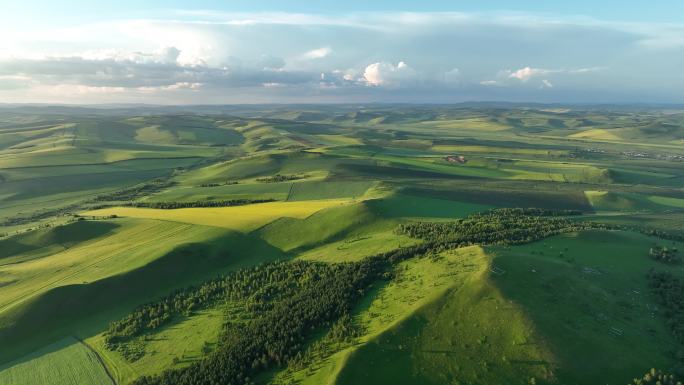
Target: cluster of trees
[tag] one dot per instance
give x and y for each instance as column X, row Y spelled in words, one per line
column 281, row 178
column 257, row 286
column 533, row 211
column 661, row 234
column 324, row 293
column 135, row 192
column 343, row 333
column 344, row 330
column 670, row 293
column 499, row 226
column 21, row 219
column 182, row 205
column 665, row 254
column 656, row 377
column 226, row 183
column 126, row 194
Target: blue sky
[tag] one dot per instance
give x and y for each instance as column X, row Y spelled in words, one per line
column 657, row 11
column 331, row 51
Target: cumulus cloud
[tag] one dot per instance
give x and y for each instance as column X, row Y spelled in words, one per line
column 387, row 74
column 163, row 55
column 210, row 53
column 527, row 73
column 158, row 70
column 317, row 53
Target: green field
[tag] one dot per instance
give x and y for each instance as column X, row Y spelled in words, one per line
column 68, row 361
column 337, row 186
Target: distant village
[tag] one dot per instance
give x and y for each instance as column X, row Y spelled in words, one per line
column 646, row 155
column 633, row 154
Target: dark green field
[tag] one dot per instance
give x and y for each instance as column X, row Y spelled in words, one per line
column 351, row 245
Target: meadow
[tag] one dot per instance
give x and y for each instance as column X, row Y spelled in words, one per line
column 105, row 213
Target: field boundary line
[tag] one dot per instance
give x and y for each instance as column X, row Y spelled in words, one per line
column 97, row 356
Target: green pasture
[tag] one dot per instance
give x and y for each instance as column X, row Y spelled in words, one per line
column 66, row 362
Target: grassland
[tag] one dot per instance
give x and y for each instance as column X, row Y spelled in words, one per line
column 67, row 362
column 571, row 309
column 551, row 310
column 588, row 295
column 181, row 344
column 420, row 282
column 239, row 218
column 127, row 245
column 469, row 333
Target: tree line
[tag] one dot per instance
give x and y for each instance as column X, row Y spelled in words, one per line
column 281, row 178
column 670, row 293
column 498, row 226
column 665, row 254
column 182, row 205
column 226, row 183
column 135, row 192
column 656, row 377
column 258, row 287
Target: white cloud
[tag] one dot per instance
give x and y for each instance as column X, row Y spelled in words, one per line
column 349, row 75
column 159, row 70
column 527, row 73
column 387, row 74
column 183, row 86
column 317, row 53
column 71, row 89
column 224, row 51
column 490, row 83
column 586, row 70
column 272, row 85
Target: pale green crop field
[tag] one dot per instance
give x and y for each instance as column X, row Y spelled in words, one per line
column 240, row 218
column 132, row 244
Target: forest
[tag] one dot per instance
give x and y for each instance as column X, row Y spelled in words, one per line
column 314, row 296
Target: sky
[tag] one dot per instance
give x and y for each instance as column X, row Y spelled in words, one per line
column 430, row 51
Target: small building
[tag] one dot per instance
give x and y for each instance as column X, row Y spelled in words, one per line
column 456, row 159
